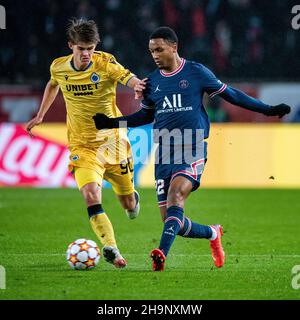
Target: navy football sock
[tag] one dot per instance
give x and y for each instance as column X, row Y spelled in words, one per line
column 172, row 225
column 192, row 229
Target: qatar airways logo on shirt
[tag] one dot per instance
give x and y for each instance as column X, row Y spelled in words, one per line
column 173, row 104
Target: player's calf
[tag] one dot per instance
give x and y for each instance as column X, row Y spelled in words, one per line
column 133, row 213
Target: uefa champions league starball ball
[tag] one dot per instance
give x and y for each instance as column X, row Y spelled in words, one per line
column 83, row 254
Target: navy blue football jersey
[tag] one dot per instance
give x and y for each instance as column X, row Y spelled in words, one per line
column 177, row 96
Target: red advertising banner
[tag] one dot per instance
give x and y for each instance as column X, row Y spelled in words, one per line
column 30, row 161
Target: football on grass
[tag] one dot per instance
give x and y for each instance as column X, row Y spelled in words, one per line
column 83, row 254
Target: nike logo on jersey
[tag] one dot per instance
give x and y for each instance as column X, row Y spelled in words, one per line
column 157, row 89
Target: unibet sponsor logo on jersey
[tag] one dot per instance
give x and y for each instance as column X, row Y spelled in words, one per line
column 173, row 104
column 82, row 89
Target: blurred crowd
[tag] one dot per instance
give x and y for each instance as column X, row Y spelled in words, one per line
column 241, row 40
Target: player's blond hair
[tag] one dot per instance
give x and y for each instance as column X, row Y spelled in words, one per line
column 81, row 30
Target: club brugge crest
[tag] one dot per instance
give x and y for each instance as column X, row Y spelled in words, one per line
column 95, row 77
column 75, row 157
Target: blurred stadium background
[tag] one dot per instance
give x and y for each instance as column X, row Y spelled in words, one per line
column 249, row 44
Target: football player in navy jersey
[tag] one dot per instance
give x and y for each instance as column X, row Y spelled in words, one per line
column 172, row 98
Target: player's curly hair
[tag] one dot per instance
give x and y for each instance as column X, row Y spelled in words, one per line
column 165, row 33
column 81, row 30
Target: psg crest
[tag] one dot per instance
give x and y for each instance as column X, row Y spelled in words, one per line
column 95, row 77
column 183, row 84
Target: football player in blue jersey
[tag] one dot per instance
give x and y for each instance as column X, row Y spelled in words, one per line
column 172, row 98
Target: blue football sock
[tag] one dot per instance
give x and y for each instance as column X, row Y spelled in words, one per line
column 172, row 225
column 192, row 229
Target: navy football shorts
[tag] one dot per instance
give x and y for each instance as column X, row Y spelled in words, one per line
column 165, row 173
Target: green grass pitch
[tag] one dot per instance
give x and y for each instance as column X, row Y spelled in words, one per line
column 261, row 241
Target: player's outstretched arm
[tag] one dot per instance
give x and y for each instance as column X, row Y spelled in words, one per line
column 49, row 95
column 139, row 118
column 239, row 98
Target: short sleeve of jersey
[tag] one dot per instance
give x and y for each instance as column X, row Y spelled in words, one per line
column 53, row 80
column 117, row 72
column 212, row 86
column 147, row 103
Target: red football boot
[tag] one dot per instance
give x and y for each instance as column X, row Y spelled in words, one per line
column 217, row 251
column 158, row 260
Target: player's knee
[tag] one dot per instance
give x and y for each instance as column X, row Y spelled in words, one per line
column 175, row 196
column 90, row 194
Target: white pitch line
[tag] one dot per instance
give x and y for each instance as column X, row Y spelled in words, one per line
column 172, row 255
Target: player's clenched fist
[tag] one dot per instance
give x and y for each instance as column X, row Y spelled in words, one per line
column 139, row 87
column 278, row 110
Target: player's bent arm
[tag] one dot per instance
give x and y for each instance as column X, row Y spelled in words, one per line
column 49, row 95
column 139, row 118
column 239, row 98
